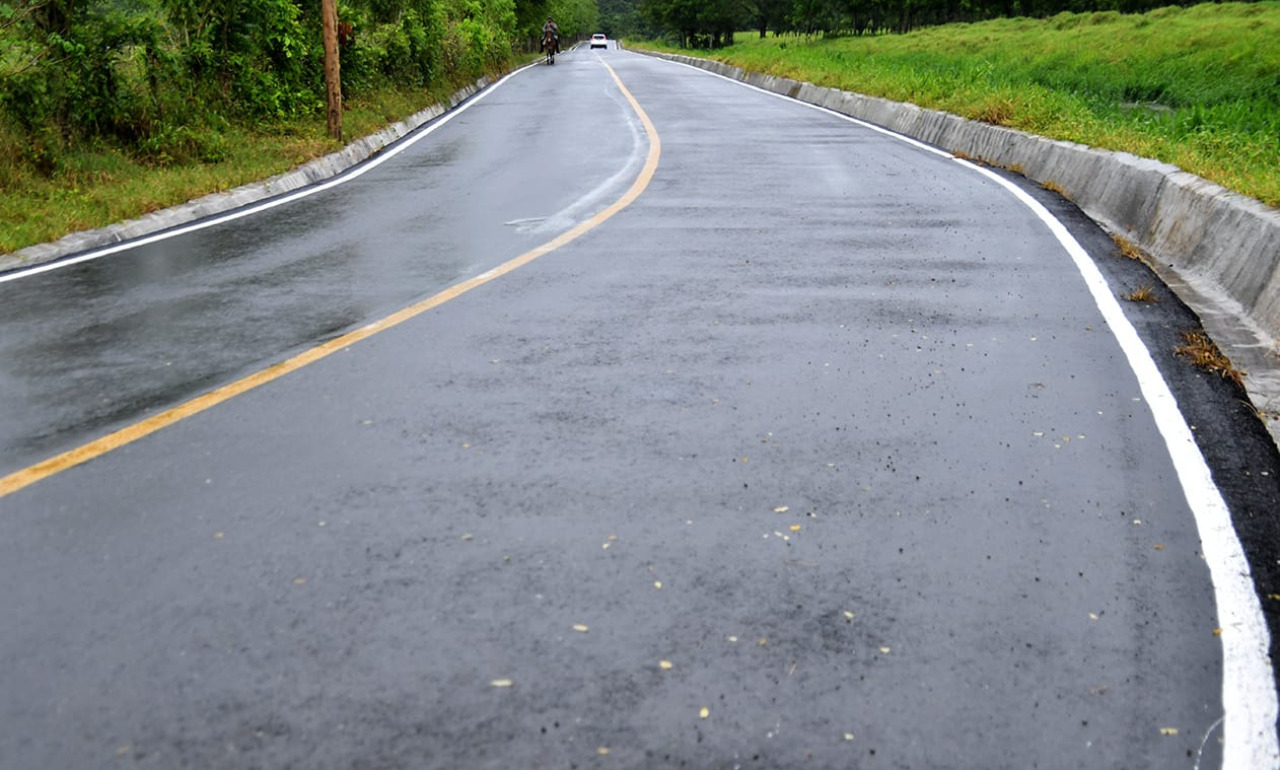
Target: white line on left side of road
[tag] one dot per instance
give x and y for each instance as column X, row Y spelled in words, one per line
column 353, row 172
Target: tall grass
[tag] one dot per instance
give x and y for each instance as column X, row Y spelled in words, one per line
column 1197, row 87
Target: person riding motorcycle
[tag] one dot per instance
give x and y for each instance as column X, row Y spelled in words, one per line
column 554, row 29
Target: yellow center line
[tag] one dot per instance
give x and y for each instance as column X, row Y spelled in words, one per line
column 81, row 454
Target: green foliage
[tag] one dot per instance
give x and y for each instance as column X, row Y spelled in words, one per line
column 165, row 80
column 1196, row 87
column 576, row 18
column 698, row 23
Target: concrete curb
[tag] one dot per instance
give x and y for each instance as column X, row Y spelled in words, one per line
column 314, row 171
column 1217, row 250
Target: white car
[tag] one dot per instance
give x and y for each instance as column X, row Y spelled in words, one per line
column 599, row 41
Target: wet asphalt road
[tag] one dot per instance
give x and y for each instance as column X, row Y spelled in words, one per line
column 827, row 423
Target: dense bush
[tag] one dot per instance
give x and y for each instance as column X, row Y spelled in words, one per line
column 163, row 79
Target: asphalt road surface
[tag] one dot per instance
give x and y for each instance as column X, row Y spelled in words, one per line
column 818, row 453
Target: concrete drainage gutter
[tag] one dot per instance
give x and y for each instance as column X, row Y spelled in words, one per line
column 1219, row 251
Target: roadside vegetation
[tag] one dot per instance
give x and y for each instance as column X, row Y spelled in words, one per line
column 1198, row 87
column 113, row 108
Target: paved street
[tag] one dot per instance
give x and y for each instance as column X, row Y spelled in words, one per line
column 820, row 453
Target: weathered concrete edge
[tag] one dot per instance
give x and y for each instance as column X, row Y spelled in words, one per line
column 1218, row 250
column 309, row 173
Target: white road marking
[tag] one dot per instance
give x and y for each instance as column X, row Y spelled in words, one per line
column 354, row 172
column 1249, row 698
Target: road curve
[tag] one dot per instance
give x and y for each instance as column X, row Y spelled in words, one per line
column 820, row 453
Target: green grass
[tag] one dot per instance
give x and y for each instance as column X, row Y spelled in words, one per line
column 96, row 186
column 1197, row 87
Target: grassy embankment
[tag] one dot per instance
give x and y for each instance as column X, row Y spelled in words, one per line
column 96, row 186
column 1196, row 87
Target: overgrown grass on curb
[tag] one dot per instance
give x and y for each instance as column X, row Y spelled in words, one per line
column 1196, row 87
column 94, row 187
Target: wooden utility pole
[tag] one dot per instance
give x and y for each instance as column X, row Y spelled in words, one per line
column 332, row 80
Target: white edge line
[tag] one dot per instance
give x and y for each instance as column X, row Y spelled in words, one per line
column 872, row 126
column 346, row 175
column 1249, row 698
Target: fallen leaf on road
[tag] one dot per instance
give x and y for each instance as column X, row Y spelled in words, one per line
column 1159, row 547
column 884, row 650
column 665, row 665
column 580, row 628
column 848, row 615
column 467, row 536
column 782, row 509
column 1217, row 632
column 657, row 584
column 501, row 683
column 1168, row 731
column 795, row 527
column 603, row 751
column 733, row 639
column 848, row 736
column 1093, row 616
column 763, row 641
column 705, row 712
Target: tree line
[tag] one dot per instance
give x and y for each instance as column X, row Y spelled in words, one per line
column 711, row 23
column 159, row 79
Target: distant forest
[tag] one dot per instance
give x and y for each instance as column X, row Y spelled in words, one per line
column 711, row 23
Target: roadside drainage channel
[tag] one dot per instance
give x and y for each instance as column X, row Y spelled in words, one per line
column 1217, row 250
column 309, row 173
